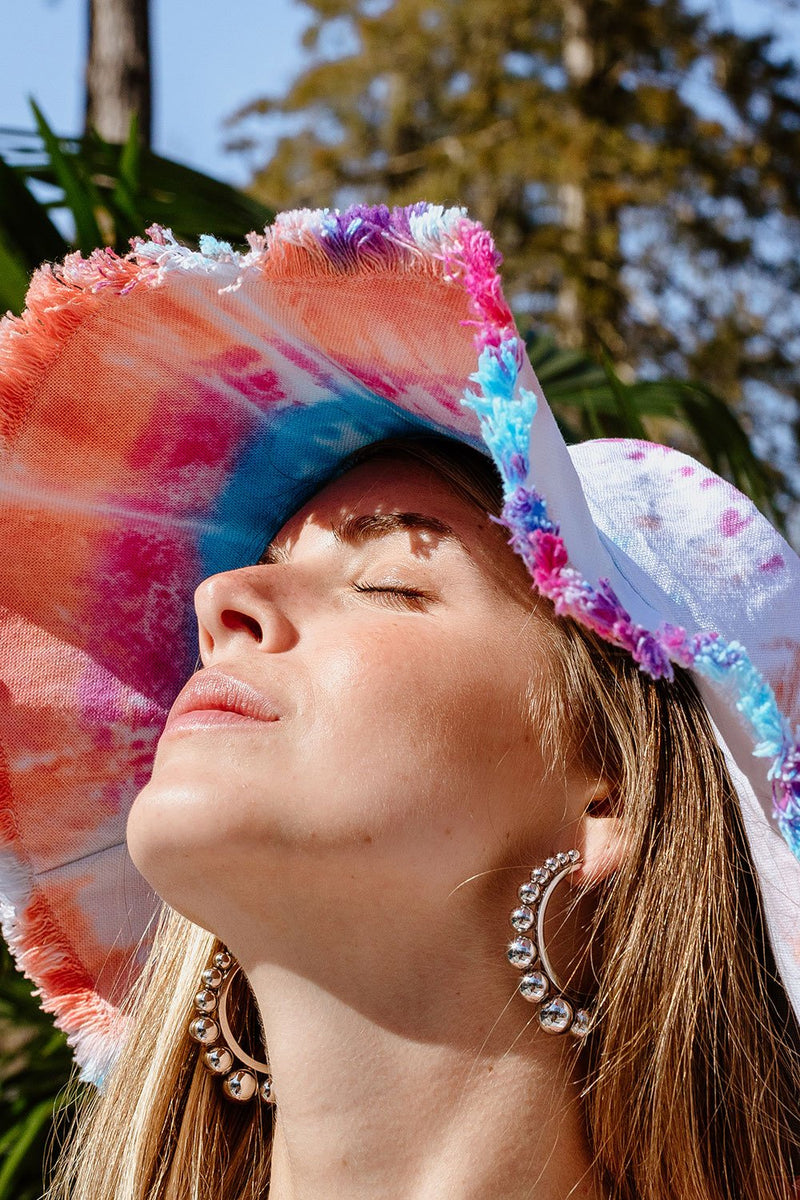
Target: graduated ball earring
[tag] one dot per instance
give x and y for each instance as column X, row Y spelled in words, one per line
column 222, row 1054
column 560, row 1011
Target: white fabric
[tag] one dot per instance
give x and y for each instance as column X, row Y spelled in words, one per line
column 683, row 546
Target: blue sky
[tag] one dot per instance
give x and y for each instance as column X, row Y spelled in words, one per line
column 209, row 58
column 206, row 65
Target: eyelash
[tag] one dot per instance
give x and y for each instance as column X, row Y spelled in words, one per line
column 398, row 595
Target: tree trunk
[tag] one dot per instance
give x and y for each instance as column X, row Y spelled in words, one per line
column 118, row 82
column 578, row 55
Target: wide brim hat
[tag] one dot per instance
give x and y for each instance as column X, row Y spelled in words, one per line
column 163, row 413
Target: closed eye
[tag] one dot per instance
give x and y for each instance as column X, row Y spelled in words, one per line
column 395, row 594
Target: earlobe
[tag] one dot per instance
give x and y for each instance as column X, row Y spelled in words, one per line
column 600, row 837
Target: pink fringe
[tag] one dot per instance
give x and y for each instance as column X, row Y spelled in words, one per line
column 480, row 261
column 93, row 1026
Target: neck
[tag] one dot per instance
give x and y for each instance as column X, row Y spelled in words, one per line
column 405, row 1066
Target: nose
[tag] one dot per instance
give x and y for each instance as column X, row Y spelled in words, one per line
column 237, row 609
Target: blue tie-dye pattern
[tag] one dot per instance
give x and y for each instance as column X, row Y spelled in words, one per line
column 297, row 448
column 211, row 247
column 505, row 418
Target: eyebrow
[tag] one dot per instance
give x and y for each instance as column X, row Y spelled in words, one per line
column 369, row 527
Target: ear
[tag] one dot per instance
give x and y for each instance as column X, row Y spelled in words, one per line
column 600, row 835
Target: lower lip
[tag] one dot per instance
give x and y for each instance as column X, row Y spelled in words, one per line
column 211, row 718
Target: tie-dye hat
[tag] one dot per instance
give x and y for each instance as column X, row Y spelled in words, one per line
column 162, row 414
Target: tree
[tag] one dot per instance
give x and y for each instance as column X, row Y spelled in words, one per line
column 638, row 164
column 109, row 193
column 118, row 69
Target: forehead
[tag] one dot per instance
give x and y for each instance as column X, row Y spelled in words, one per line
column 388, row 486
column 396, row 485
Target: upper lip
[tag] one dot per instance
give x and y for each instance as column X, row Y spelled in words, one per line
column 214, row 689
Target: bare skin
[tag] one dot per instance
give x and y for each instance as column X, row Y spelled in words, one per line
column 358, row 846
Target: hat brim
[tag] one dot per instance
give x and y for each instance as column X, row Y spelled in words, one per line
column 163, row 414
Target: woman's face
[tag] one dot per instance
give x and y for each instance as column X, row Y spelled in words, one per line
column 385, row 671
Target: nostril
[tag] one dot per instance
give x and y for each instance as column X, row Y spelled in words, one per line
column 232, row 619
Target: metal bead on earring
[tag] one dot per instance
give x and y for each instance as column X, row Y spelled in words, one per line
column 222, row 1054
column 560, row 1011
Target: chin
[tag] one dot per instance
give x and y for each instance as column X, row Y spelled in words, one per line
column 174, row 838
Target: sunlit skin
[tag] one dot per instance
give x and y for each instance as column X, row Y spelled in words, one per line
column 359, row 851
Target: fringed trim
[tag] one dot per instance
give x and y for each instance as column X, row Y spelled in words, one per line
column 59, row 301
column 418, row 238
column 505, row 423
column 314, row 244
column 95, row 1031
column 93, row 1026
column 423, row 239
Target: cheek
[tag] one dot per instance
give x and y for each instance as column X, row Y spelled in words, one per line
column 419, row 723
column 409, row 745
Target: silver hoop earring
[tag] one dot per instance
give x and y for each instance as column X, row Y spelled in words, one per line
column 560, row 1011
column 222, row 1054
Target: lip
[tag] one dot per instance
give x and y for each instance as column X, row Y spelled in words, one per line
column 213, row 697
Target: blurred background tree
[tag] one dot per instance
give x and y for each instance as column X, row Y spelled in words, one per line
column 119, row 70
column 637, row 163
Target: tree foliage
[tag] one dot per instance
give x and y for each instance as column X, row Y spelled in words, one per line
column 109, row 193
column 637, row 163
column 34, row 1070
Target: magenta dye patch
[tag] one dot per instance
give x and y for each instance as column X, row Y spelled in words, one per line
column 731, row 523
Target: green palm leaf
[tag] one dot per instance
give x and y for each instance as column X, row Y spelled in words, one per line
column 80, row 194
column 108, row 194
column 35, row 1066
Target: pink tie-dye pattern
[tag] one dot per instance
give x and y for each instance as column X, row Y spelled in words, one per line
column 153, row 456
column 732, row 523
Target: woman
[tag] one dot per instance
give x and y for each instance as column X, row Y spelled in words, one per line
column 392, row 744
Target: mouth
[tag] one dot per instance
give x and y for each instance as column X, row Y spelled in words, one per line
column 214, row 698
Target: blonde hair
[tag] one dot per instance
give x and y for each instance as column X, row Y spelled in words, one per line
column 692, row 1074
